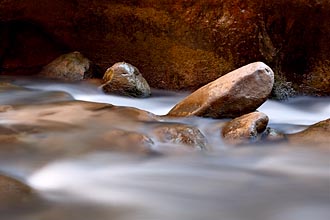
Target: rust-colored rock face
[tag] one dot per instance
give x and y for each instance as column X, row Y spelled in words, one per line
column 180, row 44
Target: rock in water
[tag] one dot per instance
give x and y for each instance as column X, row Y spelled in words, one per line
column 125, row 79
column 315, row 135
column 176, row 133
column 234, row 94
column 13, row 193
column 71, row 67
column 245, row 128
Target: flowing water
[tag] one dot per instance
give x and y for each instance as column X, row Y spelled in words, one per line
column 273, row 182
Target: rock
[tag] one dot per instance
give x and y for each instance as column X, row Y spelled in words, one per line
column 125, row 141
column 125, row 79
column 175, row 133
column 272, row 135
column 237, row 93
column 14, row 193
column 316, row 135
column 71, row 67
column 11, row 94
column 177, row 46
column 245, row 129
column 53, row 127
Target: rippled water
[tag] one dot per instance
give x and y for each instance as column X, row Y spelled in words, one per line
column 275, row 182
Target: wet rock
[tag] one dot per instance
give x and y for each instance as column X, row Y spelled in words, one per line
column 272, row 135
column 7, row 135
column 316, row 135
column 5, row 108
column 71, row 67
column 180, row 134
column 196, row 41
column 7, row 86
column 53, row 127
column 11, row 94
column 125, row 79
column 125, row 141
column 245, row 129
column 14, row 193
column 237, row 93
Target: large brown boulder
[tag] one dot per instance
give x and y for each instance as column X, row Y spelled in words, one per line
column 234, row 94
column 176, row 44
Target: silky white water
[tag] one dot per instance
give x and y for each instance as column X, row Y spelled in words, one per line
column 275, row 182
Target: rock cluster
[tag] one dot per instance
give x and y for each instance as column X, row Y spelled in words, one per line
column 236, row 95
column 121, row 78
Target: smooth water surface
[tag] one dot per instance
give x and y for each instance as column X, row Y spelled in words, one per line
column 275, row 182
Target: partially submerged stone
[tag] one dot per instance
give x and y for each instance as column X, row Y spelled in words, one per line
column 271, row 135
column 316, row 135
column 245, row 129
column 176, row 133
column 125, row 79
column 71, row 67
column 125, row 141
column 14, row 193
column 234, row 94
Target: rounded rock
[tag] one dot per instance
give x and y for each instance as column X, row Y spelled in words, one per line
column 70, row 67
column 245, row 128
column 125, row 79
column 232, row 95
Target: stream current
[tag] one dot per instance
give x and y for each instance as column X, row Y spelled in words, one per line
column 273, row 182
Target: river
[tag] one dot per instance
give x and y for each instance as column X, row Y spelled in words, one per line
column 261, row 182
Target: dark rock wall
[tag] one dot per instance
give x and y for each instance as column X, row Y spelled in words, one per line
column 180, row 44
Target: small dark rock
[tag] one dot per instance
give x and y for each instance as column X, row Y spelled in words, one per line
column 272, row 135
column 70, row 67
column 125, row 79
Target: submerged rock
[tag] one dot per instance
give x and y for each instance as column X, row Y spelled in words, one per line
column 14, row 193
column 125, row 79
column 245, row 129
column 175, row 133
column 125, row 141
column 11, row 94
column 71, row 67
column 237, row 93
column 272, row 135
column 317, row 135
